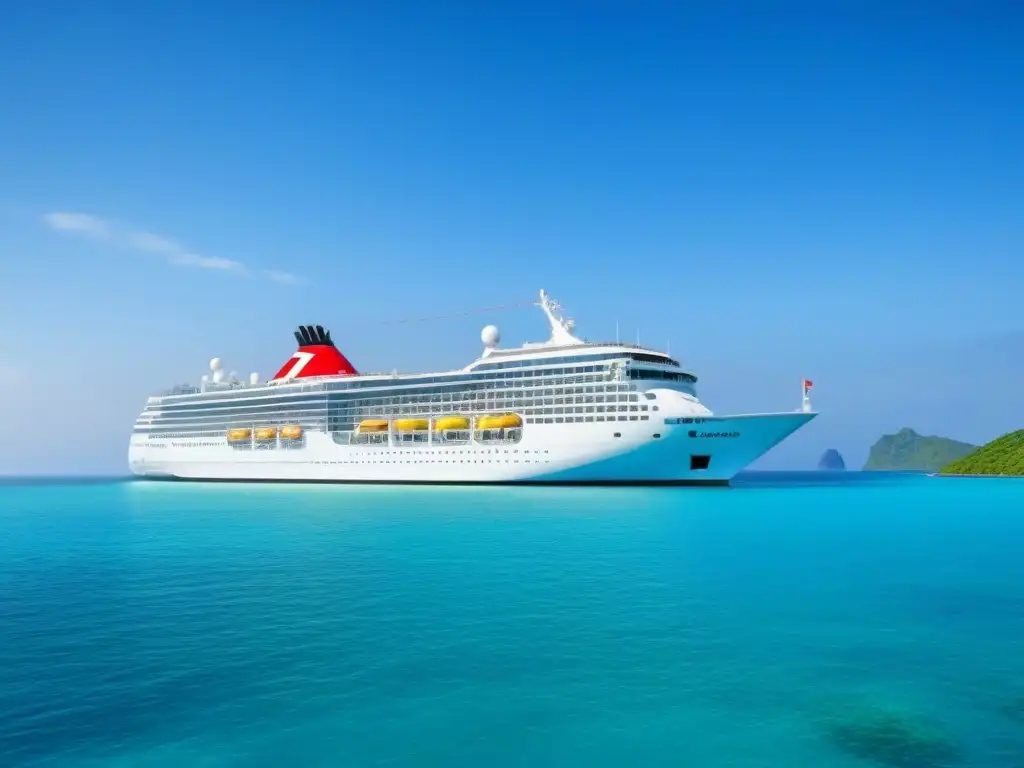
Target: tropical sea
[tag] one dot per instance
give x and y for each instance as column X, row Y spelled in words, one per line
column 815, row 619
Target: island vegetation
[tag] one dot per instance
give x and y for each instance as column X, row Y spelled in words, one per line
column 907, row 451
column 1003, row 457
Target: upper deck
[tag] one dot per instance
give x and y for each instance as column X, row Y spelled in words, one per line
column 562, row 353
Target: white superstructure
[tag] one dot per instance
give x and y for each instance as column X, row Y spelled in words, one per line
column 560, row 411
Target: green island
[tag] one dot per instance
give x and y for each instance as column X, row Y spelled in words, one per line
column 1003, row 457
column 907, row 451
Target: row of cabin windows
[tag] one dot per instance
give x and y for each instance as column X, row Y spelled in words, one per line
column 570, row 419
column 348, row 427
column 535, row 416
column 418, row 391
column 347, row 416
column 420, row 394
column 640, row 357
column 649, row 375
column 479, row 375
column 481, row 399
column 278, row 418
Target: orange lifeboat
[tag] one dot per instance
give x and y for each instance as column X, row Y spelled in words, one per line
column 239, row 435
column 372, row 425
column 266, row 433
column 504, row 421
column 444, row 423
column 291, row 432
column 411, row 425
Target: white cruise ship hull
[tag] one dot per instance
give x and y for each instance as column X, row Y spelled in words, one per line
column 564, row 411
column 655, row 452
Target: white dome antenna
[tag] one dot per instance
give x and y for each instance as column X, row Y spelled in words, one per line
column 215, row 364
column 490, row 336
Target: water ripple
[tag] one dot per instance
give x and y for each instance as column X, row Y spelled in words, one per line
column 170, row 625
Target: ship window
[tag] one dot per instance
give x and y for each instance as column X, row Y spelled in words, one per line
column 700, row 462
column 617, row 434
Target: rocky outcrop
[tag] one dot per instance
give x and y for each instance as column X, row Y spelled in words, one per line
column 831, row 460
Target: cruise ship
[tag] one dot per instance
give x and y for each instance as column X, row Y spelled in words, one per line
column 562, row 411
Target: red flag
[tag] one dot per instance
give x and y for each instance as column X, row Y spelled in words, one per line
column 808, row 383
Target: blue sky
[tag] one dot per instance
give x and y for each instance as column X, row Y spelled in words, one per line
column 777, row 194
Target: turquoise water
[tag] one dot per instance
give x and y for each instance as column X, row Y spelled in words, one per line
column 768, row 625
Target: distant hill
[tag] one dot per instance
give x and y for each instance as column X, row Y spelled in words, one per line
column 1003, row 456
column 909, row 451
column 831, row 460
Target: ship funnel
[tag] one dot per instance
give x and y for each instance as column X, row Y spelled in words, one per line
column 316, row 356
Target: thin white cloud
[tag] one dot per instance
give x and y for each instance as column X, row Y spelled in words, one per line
column 287, row 278
column 147, row 242
column 79, row 222
column 206, row 262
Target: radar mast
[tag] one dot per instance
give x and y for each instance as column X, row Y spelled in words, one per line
column 561, row 327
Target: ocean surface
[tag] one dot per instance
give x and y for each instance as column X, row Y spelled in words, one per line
column 810, row 620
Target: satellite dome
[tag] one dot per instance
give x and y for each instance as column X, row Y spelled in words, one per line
column 490, row 336
column 215, row 364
